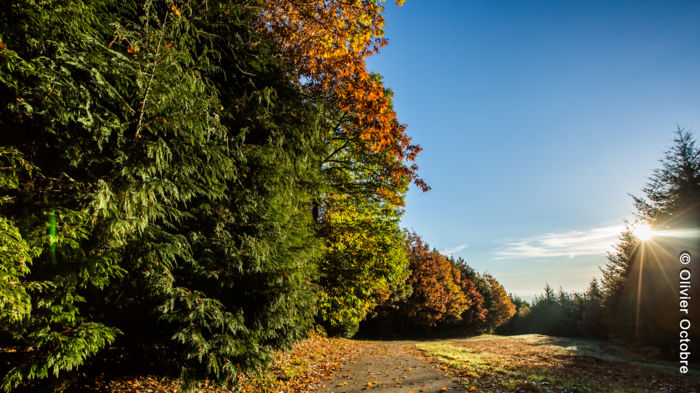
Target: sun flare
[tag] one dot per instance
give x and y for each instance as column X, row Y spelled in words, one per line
column 643, row 232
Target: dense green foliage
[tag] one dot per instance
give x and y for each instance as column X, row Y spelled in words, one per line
column 364, row 262
column 65, row 140
column 157, row 172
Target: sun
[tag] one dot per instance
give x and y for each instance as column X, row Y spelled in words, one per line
column 643, row 232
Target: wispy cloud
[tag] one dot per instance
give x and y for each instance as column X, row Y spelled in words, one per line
column 451, row 251
column 566, row 244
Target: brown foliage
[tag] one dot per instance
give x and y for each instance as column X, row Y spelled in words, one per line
column 440, row 293
column 476, row 312
column 502, row 308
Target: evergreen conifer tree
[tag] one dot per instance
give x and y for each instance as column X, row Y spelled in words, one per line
column 638, row 297
column 157, row 171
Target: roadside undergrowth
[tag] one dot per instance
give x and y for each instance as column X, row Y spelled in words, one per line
column 297, row 370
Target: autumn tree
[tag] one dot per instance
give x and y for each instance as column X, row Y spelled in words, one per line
column 474, row 316
column 492, row 292
column 500, row 307
column 358, row 215
column 327, row 42
column 442, row 298
column 437, row 295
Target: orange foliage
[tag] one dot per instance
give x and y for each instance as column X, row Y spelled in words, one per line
column 437, row 294
column 326, row 43
column 475, row 313
column 502, row 308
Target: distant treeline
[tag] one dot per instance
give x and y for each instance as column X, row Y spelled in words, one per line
column 560, row 314
column 638, row 298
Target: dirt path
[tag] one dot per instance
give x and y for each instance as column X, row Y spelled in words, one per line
column 388, row 367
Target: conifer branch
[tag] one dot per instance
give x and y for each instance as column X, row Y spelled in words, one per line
column 150, row 80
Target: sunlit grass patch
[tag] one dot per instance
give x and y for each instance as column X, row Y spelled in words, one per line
column 461, row 357
column 547, row 364
column 485, row 370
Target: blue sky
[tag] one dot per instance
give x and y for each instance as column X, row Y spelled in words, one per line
column 537, row 119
